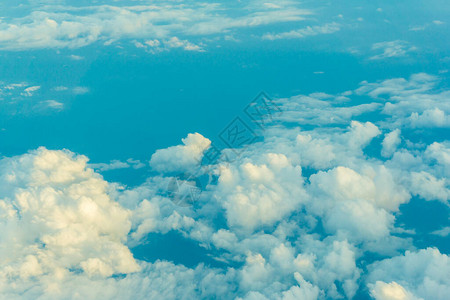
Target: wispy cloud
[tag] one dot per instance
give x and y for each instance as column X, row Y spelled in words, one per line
column 155, row 45
column 28, row 92
column 27, row 99
column 52, row 104
column 396, row 48
column 304, row 32
column 117, row 164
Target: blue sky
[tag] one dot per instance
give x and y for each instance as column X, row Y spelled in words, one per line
column 344, row 192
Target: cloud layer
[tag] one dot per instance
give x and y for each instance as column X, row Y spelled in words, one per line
column 65, row 26
column 305, row 213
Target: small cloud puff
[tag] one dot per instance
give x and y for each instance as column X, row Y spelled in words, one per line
column 183, row 157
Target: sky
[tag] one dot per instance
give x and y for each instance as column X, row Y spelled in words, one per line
column 224, row 150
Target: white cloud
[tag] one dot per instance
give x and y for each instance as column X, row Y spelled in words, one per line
column 59, row 220
column 440, row 152
column 52, row 104
column 430, row 118
column 390, row 143
column 396, row 48
column 117, row 164
column 256, row 194
column 444, row 232
column 314, row 109
column 186, row 45
column 113, row 165
column 304, row 290
column 353, row 204
column 154, row 46
column 26, row 99
column 413, row 102
column 304, row 32
column 424, row 274
column 74, row 27
column 80, row 90
column 60, row 88
column 28, row 92
column 390, row 291
column 303, row 213
column 183, row 157
column 76, row 57
column 429, row 187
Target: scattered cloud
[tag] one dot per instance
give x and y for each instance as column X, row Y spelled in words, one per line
column 80, row 90
column 53, row 104
column 430, row 118
column 76, row 57
column 414, row 275
column 74, row 27
column 312, row 210
column 444, row 232
column 305, row 32
column 425, row 26
column 28, row 92
column 383, row 291
column 181, row 158
column 307, row 211
column 27, row 99
column 390, row 143
column 64, row 220
column 396, row 48
column 117, row 164
column 155, row 45
column 186, row 45
column 60, row 88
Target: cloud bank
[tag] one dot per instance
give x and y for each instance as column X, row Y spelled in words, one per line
column 309, row 212
column 66, row 26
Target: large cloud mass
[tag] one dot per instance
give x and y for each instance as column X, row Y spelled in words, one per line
column 58, row 218
column 310, row 212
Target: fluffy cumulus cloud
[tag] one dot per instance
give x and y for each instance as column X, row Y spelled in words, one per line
column 260, row 194
column 353, row 203
column 183, row 157
column 58, row 218
column 390, row 291
column 415, row 275
column 22, row 98
column 314, row 210
column 390, row 143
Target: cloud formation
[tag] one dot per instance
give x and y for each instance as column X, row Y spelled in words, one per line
column 304, row 32
column 73, row 27
column 181, row 158
column 308, row 212
column 396, row 48
column 58, row 218
column 416, row 275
